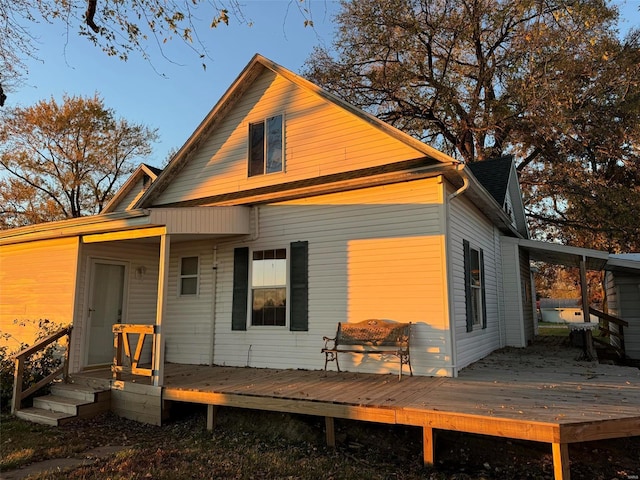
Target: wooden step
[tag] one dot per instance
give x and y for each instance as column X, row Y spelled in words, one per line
column 86, row 380
column 56, row 403
column 44, row 417
column 84, row 398
column 79, row 392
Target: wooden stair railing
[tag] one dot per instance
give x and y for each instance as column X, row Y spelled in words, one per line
column 20, row 361
column 122, row 344
column 605, row 320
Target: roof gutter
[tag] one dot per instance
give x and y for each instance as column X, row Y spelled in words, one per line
column 71, row 227
column 480, row 192
column 460, row 168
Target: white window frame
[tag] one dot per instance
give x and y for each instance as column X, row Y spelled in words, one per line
column 264, row 122
column 476, row 288
column 252, row 288
column 182, row 277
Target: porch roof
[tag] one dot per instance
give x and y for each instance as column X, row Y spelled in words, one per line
column 569, row 256
column 186, row 223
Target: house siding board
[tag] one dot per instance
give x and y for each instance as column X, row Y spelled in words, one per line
column 526, row 290
column 623, row 297
column 129, row 200
column 38, row 282
column 363, row 263
column 320, row 139
column 466, row 222
column 512, row 296
column 500, row 289
column 187, row 325
column 613, row 302
column 218, row 220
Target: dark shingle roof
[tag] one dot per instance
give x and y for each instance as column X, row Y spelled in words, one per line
column 494, row 176
column 155, row 170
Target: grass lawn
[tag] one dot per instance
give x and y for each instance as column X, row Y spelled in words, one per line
column 260, row 445
column 546, row 329
column 553, row 329
column 23, row 442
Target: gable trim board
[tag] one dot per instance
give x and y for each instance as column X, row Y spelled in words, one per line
column 131, row 191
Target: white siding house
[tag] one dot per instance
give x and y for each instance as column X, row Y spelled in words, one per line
column 623, row 299
column 286, row 212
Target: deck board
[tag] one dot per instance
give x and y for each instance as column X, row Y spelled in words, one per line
column 553, row 398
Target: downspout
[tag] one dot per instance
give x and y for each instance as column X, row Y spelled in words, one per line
column 214, row 281
column 460, row 168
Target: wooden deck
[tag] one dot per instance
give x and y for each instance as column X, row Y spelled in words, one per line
column 540, row 393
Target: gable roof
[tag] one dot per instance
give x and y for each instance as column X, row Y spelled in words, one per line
column 139, row 174
column 243, row 82
column 494, row 176
column 498, row 178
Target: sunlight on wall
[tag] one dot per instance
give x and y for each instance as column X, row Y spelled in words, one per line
column 401, row 279
column 396, row 278
column 37, row 281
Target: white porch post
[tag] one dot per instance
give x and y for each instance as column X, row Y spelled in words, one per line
column 163, row 280
column 584, row 289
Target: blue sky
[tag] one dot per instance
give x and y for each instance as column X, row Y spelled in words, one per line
column 176, row 101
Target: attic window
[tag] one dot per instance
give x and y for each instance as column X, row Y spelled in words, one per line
column 266, row 154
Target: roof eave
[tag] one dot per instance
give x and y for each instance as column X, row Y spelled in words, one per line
column 494, row 211
column 128, row 185
column 75, row 226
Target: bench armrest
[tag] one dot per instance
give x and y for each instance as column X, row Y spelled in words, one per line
column 327, row 341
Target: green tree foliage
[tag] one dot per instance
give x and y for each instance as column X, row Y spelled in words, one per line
column 64, row 160
column 550, row 82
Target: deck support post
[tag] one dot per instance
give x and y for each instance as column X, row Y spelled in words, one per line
column 584, row 291
column 428, row 446
column 212, row 412
column 561, row 461
column 158, row 338
column 330, row 431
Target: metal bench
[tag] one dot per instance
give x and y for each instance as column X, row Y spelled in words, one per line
column 381, row 337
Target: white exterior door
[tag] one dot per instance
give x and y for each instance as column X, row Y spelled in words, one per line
column 105, row 309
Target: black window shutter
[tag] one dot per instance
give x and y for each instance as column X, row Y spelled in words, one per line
column 484, row 296
column 240, row 288
column 299, row 291
column 467, row 284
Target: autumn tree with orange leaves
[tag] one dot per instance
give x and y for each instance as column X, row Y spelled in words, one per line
column 551, row 82
column 64, row 160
